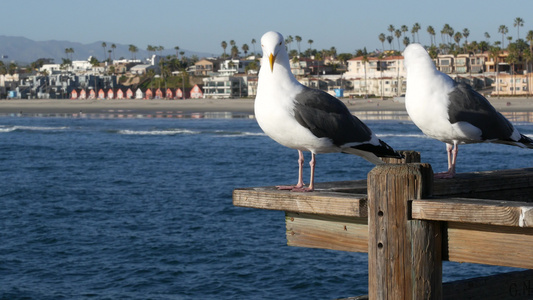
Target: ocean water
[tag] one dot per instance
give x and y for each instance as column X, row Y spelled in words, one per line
column 142, row 209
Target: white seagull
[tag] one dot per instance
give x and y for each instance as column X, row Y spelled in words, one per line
column 452, row 112
column 307, row 119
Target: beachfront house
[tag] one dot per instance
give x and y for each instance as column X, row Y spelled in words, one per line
column 375, row 76
column 206, row 67
column 129, row 94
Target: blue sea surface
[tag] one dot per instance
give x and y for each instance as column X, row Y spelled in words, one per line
column 142, row 209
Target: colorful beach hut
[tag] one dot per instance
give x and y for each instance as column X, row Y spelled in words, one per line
column 148, row 94
column 139, row 94
column 74, row 94
column 158, row 94
column 169, row 94
column 110, row 94
column 92, row 94
column 83, row 94
column 101, row 94
column 196, row 92
column 129, row 94
column 120, row 94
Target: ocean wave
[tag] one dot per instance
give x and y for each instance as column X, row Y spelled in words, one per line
column 222, row 133
column 31, row 128
column 408, row 135
column 157, row 132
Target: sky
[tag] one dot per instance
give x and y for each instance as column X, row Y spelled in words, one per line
column 202, row 25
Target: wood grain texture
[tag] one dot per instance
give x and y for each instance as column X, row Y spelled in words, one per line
column 324, row 203
column 327, row 232
column 481, row 211
column 490, row 245
column 404, row 255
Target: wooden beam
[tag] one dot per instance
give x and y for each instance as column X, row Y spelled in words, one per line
column 404, row 256
column 489, row 245
column 327, row 232
column 490, row 212
column 324, row 203
column 511, row 185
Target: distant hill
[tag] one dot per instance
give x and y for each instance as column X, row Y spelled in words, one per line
column 23, row 50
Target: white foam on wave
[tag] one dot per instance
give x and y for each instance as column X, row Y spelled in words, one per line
column 157, row 132
column 408, row 135
column 31, row 128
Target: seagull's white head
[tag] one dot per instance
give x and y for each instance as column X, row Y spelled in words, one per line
column 272, row 44
column 415, row 56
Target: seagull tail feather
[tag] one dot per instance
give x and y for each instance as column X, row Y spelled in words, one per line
column 372, row 153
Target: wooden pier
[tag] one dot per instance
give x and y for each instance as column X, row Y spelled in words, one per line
column 409, row 223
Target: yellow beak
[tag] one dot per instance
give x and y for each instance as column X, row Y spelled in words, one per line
column 271, row 59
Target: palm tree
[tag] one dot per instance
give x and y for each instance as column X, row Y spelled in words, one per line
column 466, row 33
column 150, row 49
column 518, row 22
column 253, row 44
column 224, row 46
column 391, row 29
column 431, row 32
column 487, row 36
column 133, row 49
column 457, row 37
column 503, row 30
column 298, row 40
column 529, row 38
column 398, row 34
column 512, row 59
column 234, row 51
column 113, row 46
column 382, row 38
column 245, row 49
column 527, row 55
column 390, row 39
column 104, row 45
column 177, row 48
column 288, row 41
column 404, row 29
column 310, row 42
column 414, row 30
column 494, row 54
column 406, row 41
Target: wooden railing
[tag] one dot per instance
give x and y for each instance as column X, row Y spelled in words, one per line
column 409, row 223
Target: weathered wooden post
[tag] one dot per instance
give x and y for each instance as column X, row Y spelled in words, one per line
column 404, row 255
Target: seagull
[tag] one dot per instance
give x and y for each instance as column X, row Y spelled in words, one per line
column 452, row 112
column 306, row 119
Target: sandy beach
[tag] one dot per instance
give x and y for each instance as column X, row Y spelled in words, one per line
column 238, row 106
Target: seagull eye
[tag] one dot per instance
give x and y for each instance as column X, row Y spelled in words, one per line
column 280, row 43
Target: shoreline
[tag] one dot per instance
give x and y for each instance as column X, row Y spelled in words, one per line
column 191, row 106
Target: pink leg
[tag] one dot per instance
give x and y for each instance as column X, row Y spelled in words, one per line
column 452, row 151
column 300, row 183
column 311, row 187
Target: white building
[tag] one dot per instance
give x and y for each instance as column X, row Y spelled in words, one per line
column 377, row 76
